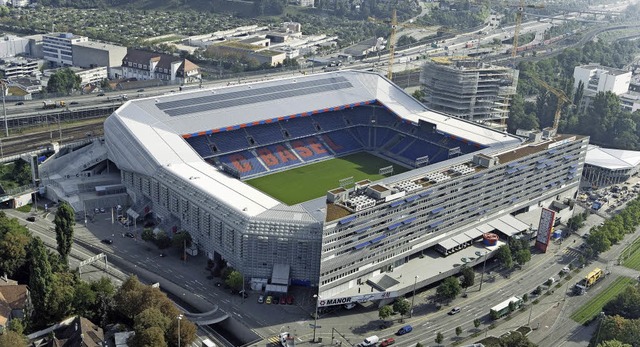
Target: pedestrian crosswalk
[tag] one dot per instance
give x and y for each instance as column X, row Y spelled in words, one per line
column 274, row 341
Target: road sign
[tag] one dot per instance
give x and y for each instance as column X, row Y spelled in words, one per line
column 315, row 326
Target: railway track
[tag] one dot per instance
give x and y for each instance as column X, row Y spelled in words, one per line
column 41, row 137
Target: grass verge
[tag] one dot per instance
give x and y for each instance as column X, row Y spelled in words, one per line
column 632, row 253
column 595, row 305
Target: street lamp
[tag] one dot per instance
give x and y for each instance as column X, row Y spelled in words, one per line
column 315, row 323
column 484, row 264
column 4, row 109
column 415, row 280
column 179, row 319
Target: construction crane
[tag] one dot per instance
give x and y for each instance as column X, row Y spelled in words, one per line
column 516, row 30
column 392, row 36
column 560, row 94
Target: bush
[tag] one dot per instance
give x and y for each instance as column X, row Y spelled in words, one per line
column 492, row 326
column 148, row 235
column 162, row 240
column 535, row 302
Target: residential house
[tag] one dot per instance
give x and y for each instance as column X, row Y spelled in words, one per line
column 168, row 68
column 75, row 331
column 15, row 302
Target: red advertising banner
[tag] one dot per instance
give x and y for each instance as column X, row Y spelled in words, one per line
column 545, row 228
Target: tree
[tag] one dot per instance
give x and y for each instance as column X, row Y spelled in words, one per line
column 613, row 343
column 625, row 304
column 21, row 172
column 182, row 239
column 476, row 323
column 598, row 241
column 62, row 295
column 235, row 280
column 64, row 222
column 504, row 256
column 188, row 332
column 153, row 336
column 576, row 222
column 162, row 240
column 402, row 306
column 448, row 289
column 458, row 331
column 419, row 344
column 12, row 339
column 516, row 340
column 385, row 312
column 16, row 326
column 439, row 338
column 63, row 81
column 40, row 279
column 13, row 248
column 148, row 235
column 468, row 277
column 149, row 318
column 522, row 256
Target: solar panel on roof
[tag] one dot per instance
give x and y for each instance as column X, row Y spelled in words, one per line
column 251, row 96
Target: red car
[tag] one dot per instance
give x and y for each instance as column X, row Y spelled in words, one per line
column 290, row 300
column 388, row 342
column 283, row 300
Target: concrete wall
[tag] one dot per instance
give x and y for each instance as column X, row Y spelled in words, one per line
column 12, row 46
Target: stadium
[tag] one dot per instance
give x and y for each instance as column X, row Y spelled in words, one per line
column 338, row 180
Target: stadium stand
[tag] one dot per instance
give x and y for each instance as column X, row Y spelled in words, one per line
column 341, row 142
column 266, row 134
column 358, row 115
column 363, row 134
column 310, row 148
column 299, row 127
column 200, row 145
column 383, row 135
column 420, row 149
column 402, row 145
column 228, row 141
column 243, row 163
column 277, row 156
column 330, row 121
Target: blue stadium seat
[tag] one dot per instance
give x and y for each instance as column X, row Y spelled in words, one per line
column 420, row 149
column 383, row 117
column 402, row 144
column 200, row 145
column 383, row 135
column 330, row 120
column 229, row 141
column 244, row 163
column 299, row 127
column 341, row 141
column 358, row 115
column 362, row 133
column 266, row 134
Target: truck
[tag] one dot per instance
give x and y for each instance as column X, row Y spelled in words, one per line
column 121, row 97
column 48, row 104
column 592, row 278
column 505, row 307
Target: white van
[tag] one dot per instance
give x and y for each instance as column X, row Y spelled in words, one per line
column 208, row 343
column 370, row 341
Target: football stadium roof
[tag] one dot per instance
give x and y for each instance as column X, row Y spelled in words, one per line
column 612, row 159
column 146, row 134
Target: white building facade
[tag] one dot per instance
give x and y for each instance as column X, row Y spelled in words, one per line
column 58, row 48
column 597, row 78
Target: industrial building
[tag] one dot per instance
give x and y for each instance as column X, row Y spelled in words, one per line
column 91, row 54
column 468, row 89
column 58, row 48
column 184, row 159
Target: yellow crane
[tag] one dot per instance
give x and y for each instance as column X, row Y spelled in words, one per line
column 516, row 30
column 560, row 94
column 392, row 36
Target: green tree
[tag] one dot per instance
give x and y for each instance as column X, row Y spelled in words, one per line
column 419, row 344
column 62, row 295
column 84, row 299
column 613, row 343
column 12, row 339
column 625, row 304
column 162, row 240
column 16, row 326
column 235, row 280
column 504, row 256
column 468, row 277
column 64, row 222
column 188, row 332
column 448, row 289
column 104, row 303
column 21, row 172
column 458, row 331
column 516, row 340
column 576, row 222
column 40, row 279
column 151, row 317
column 522, row 256
column 13, row 248
column 402, row 306
column 63, row 81
column 153, row 336
column 148, row 235
column 439, row 338
column 476, row 323
column 385, row 312
column 182, row 239
column 598, row 241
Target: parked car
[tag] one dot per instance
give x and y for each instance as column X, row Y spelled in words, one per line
column 73, row 103
column 102, row 210
column 268, row 301
column 283, row 300
column 31, row 219
column 96, row 210
column 404, row 330
column 243, row 294
column 275, row 300
column 140, row 90
column 129, row 235
column 290, row 300
column 388, row 342
column 454, row 310
column 261, row 299
column 107, row 241
column 349, row 305
column 19, row 103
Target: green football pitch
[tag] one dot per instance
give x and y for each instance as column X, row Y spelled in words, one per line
column 314, row 180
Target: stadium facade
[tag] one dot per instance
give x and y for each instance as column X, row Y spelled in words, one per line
column 186, row 156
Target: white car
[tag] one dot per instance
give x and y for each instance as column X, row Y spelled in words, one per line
column 349, row 305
